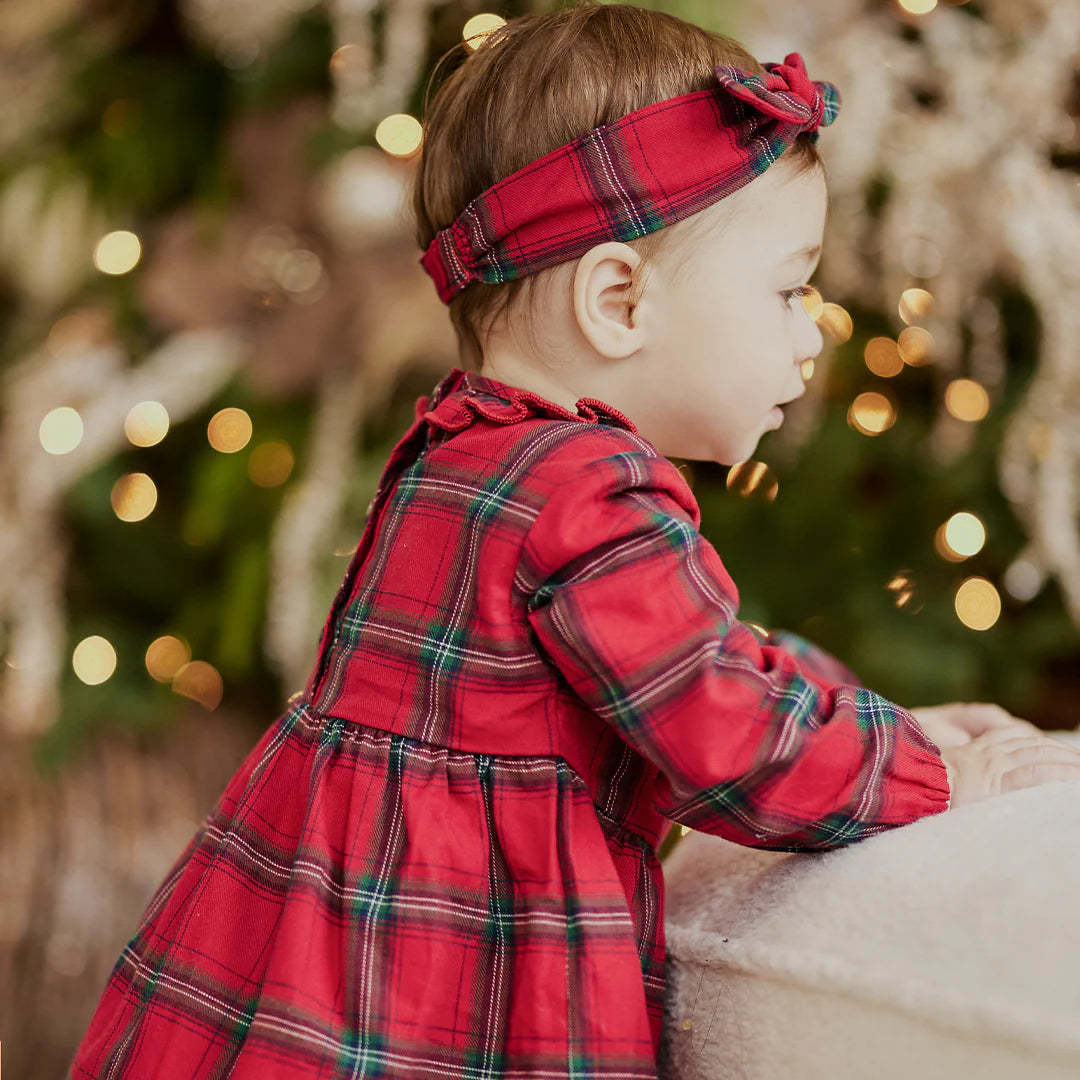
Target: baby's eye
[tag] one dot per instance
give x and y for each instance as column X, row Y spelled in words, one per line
column 801, row 291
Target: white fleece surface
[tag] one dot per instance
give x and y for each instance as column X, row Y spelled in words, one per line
column 946, row 948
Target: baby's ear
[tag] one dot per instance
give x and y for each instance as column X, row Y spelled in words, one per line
column 602, row 297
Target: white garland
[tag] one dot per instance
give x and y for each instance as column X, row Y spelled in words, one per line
column 974, row 194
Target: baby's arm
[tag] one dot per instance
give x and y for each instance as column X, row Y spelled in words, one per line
column 636, row 610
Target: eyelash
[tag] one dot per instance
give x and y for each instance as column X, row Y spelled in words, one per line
column 802, row 290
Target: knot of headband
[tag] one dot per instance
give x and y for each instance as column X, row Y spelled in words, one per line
column 650, row 168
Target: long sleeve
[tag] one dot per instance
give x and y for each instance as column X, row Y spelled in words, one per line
column 635, row 609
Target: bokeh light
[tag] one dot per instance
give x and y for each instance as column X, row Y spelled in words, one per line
column 915, row 304
column 229, row 430
column 400, row 134
column 905, row 591
column 882, row 357
column 117, row 252
column 201, row 682
column 146, row 423
column 165, row 656
column 918, row 7
column 813, row 303
column 871, row 413
column 835, row 322
column 967, row 400
column 977, row 603
column 60, row 430
column 753, row 478
column 94, row 660
column 963, row 535
column 916, row 346
column 133, row 496
column 479, row 26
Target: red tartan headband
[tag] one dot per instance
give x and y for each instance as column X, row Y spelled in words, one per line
column 648, row 169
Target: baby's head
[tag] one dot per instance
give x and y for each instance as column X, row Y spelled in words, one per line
column 686, row 329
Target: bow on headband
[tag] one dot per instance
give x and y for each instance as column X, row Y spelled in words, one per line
column 650, row 168
column 786, row 93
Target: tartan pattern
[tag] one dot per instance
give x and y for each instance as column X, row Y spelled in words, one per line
column 638, row 174
column 440, row 858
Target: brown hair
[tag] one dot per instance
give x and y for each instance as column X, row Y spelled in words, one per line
column 536, row 83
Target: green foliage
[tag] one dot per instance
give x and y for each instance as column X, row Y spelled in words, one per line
column 196, row 567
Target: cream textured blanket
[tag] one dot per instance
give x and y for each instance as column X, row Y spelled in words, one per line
column 948, row 948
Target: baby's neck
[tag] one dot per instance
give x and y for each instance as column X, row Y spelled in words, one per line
column 552, row 386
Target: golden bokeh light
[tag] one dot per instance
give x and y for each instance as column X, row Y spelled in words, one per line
column 94, row 660
column 117, row 252
column 915, row 304
column 479, row 26
column 967, row 400
column 229, row 430
column 133, row 496
column 201, row 682
column 963, row 535
column 882, row 357
column 807, row 370
column 60, row 430
column 400, row 134
column 271, row 463
column 835, row 322
column 941, row 546
column 813, row 303
column 918, row 7
column 753, row 478
column 146, row 423
column 684, row 829
column 165, row 656
column 871, row 413
column 905, row 592
column 977, row 603
column 916, row 345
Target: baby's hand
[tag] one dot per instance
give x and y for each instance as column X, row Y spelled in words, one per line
column 1007, row 759
column 960, row 722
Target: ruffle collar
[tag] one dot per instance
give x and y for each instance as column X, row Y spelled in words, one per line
column 463, row 395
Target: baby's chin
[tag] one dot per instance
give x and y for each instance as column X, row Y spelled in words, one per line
column 703, row 439
column 717, row 455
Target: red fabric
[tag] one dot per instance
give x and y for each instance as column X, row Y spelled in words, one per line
column 648, row 169
column 440, row 859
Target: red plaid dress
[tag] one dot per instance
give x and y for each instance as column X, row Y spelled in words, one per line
column 439, row 861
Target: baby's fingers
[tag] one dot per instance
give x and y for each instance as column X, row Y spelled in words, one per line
column 1020, row 732
column 1039, row 772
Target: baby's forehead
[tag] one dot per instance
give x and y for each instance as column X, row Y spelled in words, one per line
column 780, row 220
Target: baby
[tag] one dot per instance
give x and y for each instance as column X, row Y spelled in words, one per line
column 440, row 860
